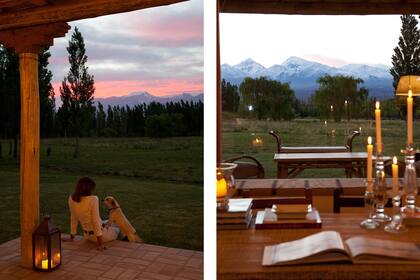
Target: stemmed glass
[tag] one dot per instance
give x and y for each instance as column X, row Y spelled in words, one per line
column 369, row 223
column 396, row 225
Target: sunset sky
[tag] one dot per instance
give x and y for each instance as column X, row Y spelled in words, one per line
column 158, row 50
column 331, row 40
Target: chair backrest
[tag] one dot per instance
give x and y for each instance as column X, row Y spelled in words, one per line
column 278, row 139
column 249, row 169
column 268, row 202
column 353, row 201
column 350, row 138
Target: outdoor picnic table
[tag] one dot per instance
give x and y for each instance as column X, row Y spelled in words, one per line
column 240, row 252
column 289, row 165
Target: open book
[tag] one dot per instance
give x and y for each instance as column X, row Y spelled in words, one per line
column 327, row 246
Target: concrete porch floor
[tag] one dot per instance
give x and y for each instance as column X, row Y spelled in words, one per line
column 122, row 260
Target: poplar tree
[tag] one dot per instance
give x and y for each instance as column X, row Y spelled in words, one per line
column 46, row 95
column 406, row 57
column 77, row 90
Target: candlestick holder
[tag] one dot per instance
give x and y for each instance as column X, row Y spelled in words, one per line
column 369, row 223
column 379, row 189
column 396, row 225
column 410, row 183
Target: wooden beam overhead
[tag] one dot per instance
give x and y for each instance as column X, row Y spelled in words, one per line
column 33, row 39
column 70, row 10
column 321, row 7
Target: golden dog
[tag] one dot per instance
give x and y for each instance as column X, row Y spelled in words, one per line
column 117, row 217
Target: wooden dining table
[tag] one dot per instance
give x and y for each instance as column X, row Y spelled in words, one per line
column 240, row 252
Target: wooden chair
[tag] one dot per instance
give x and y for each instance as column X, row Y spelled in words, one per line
column 261, row 202
column 356, row 201
column 268, row 202
column 348, row 147
column 248, row 167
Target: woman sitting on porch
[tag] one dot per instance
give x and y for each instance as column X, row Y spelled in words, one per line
column 84, row 208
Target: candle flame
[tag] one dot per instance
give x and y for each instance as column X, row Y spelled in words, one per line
column 377, row 105
column 410, row 93
column 370, row 140
column 325, row 122
column 394, row 160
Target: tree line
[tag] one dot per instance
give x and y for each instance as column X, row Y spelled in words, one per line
column 337, row 98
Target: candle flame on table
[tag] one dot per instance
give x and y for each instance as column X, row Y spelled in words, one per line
column 410, row 93
column 370, row 140
column 377, row 105
column 394, row 160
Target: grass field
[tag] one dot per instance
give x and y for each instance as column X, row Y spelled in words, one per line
column 158, row 183
column 238, row 134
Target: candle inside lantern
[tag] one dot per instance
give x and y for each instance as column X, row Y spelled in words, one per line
column 410, row 119
column 394, row 176
column 369, row 162
column 44, row 264
column 221, row 187
column 378, row 128
column 257, row 141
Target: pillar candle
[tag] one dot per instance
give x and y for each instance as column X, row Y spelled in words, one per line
column 44, row 264
column 394, row 176
column 369, row 161
column 378, row 129
column 221, row 187
column 410, row 119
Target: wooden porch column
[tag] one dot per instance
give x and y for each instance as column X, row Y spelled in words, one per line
column 28, row 42
column 29, row 153
column 218, row 92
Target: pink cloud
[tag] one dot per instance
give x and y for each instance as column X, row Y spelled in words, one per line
column 170, row 32
column 155, row 87
column 334, row 62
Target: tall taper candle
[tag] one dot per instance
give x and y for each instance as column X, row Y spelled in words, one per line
column 394, row 176
column 378, row 128
column 369, row 159
column 410, row 119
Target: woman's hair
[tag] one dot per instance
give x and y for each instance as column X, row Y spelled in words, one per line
column 84, row 187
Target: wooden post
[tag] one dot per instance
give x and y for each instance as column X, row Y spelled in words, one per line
column 28, row 43
column 218, row 92
column 29, row 153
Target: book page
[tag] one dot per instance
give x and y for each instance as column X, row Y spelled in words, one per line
column 300, row 250
column 375, row 250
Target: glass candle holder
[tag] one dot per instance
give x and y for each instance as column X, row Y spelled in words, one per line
column 396, row 225
column 225, row 183
column 410, row 183
column 379, row 189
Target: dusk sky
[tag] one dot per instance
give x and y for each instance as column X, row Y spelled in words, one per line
column 158, row 50
column 331, row 40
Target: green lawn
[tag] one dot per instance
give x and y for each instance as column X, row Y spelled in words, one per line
column 158, row 183
column 238, row 134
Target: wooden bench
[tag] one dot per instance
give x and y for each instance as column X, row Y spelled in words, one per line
column 348, row 147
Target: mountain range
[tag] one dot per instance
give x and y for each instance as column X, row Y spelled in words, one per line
column 136, row 98
column 302, row 75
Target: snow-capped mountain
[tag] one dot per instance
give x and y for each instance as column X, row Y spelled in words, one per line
column 302, row 75
column 136, row 98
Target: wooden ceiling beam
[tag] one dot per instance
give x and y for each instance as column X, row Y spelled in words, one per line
column 33, row 39
column 70, row 10
column 310, row 7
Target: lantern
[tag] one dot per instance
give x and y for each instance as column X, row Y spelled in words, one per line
column 46, row 246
